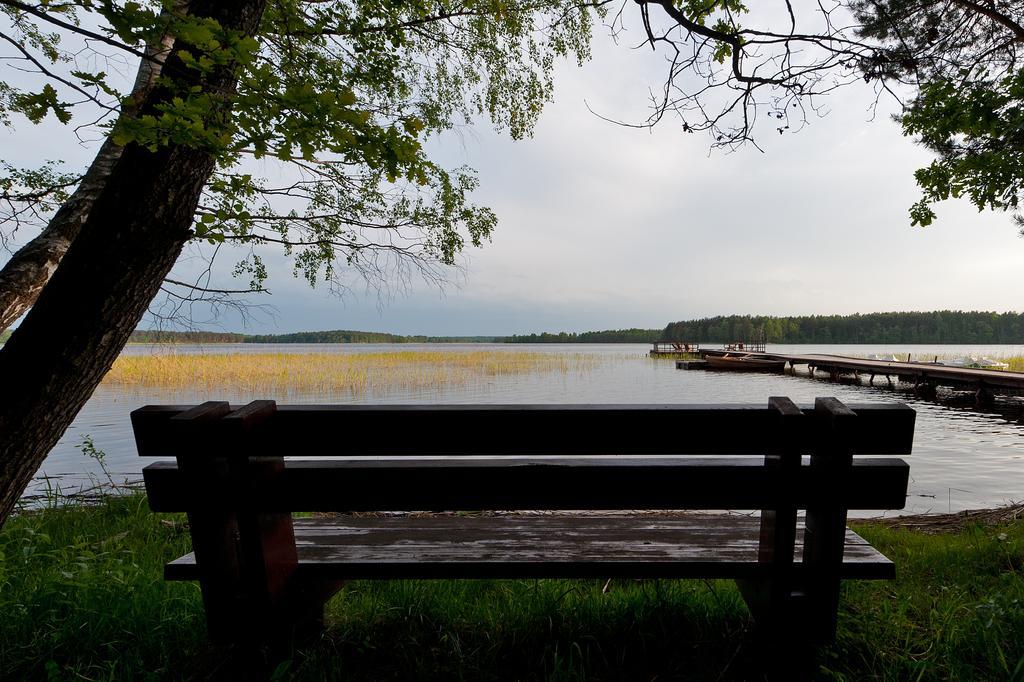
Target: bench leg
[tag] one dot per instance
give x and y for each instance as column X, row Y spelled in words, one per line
column 793, row 623
column 216, row 546
column 303, row 613
column 810, row 609
column 234, row 616
column 251, row 592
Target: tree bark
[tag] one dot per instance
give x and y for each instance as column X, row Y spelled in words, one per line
column 132, row 236
column 30, row 267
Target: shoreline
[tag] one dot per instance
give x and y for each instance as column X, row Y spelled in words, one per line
column 951, row 522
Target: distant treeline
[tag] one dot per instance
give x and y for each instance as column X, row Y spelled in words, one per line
column 941, row 326
column 606, row 336
column 347, row 336
column 159, row 336
column 335, row 336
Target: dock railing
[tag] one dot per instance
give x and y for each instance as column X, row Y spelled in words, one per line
column 752, row 346
column 756, row 345
column 666, row 347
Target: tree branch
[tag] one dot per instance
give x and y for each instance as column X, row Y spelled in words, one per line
column 998, row 17
column 29, row 9
column 206, row 290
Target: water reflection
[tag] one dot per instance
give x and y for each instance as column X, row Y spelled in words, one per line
column 963, row 457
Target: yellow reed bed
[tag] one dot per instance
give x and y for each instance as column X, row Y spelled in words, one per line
column 333, row 373
column 1016, row 363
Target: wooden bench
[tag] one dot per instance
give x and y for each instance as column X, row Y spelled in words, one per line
column 263, row 573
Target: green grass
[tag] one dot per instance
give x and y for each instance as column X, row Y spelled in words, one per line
column 82, row 597
column 82, row 594
column 956, row 610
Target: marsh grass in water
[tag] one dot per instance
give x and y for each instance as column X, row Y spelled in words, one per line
column 355, row 374
column 1015, row 362
column 83, row 597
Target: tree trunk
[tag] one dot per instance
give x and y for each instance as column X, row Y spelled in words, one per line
column 31, row 266
column 110, row 273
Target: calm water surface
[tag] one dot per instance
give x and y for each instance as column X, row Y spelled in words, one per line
column 963, row 458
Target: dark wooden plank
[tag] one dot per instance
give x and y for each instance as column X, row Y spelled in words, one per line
column 537, row 483
column 190, row 431
column 826, row 519
column 250, row 417
column 618, row 462
column 150, row 428
column 773, row 595
column 176, row 429
column 882, row 428
column 569, row 430
column 215, row 532
column 266, row 540
column 778, row 524
column 557, row 546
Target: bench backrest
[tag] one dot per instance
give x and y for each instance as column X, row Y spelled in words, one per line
column 450, row 457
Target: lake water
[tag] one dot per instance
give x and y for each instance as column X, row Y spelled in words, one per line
column 963, row 458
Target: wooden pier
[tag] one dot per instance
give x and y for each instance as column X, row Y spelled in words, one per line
column 926, row 377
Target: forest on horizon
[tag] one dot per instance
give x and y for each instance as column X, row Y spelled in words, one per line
column 330, row 336
column 938, row 327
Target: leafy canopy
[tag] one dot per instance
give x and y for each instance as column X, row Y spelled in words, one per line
column 336, row 99
column 961, row 60
column 977, row 131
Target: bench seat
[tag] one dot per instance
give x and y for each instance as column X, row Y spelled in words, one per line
column 549, row 546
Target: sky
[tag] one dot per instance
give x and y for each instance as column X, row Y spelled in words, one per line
column 603, row 226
